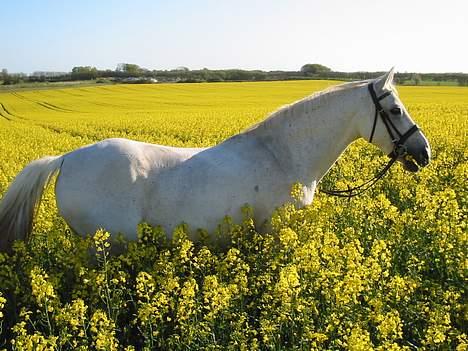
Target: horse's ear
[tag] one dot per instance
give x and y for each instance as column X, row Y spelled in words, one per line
column 385, row 82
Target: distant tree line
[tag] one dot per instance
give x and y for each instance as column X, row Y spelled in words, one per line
column 128, row 72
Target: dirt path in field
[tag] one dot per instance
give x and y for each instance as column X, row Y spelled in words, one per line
column 5, row 113
column 44, row 104
column 2, row 115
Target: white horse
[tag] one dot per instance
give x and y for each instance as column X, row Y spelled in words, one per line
column 117, row 183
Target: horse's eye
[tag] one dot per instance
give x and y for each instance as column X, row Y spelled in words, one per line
column 395, row 111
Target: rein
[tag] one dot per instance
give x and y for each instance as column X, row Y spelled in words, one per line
column 399, row 148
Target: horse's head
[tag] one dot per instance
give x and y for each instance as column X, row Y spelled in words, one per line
column 390, row 127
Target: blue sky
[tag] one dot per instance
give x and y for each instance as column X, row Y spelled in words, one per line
column 412, row 35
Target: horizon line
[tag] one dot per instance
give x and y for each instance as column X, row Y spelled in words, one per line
column 228, row 69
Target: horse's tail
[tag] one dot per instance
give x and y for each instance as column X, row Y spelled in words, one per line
column 19, row 204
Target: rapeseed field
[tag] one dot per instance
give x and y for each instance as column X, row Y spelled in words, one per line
column 384, row 271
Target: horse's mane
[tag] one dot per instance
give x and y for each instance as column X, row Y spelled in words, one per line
column 314, row 100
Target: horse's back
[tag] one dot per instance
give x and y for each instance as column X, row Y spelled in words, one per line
column 105, row 184
column 117, row 184
column 216, row 183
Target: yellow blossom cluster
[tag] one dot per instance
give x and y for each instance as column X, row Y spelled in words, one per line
column 384, row 271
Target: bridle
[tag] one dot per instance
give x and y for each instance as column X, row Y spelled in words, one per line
column 398, row 141
column 399, row 148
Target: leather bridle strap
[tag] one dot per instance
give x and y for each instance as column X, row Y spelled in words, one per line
column 380, row 111
column 398, row 143
column 358, row 190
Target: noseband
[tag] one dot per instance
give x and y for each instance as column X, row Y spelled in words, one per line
column 398, row 141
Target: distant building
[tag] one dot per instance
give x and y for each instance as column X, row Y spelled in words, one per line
column 47, row 74
column 139, row 80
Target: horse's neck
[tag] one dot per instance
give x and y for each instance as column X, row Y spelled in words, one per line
column 309, row 136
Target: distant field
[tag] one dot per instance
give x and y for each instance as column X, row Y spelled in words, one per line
column 386, row 270
column 176, row 114
column 172, row 114
column 48, row 85
column 431, row 83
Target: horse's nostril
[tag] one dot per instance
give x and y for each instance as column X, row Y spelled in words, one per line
column 424, row 157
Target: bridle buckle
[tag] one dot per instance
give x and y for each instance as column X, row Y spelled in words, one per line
column 400, row 150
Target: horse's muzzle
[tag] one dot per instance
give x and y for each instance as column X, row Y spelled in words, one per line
column 411, row 162
column 424, row 157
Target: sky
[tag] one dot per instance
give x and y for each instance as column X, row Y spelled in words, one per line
column 357, row 35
